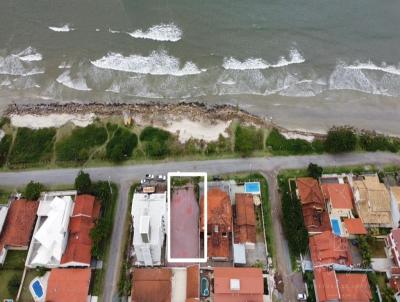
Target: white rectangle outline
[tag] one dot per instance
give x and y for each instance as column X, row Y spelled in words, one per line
column 186, row 174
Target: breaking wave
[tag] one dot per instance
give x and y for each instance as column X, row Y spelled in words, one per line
column 160, row 32
column 64, row 28
column 73, row 83
column 21, row 64
column 29, row 54
column 371, row 66
column 157, row 63
column 257, row 63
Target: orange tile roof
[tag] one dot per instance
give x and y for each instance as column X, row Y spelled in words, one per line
column 354, row 287
column 79, row 245
column 310, row 191
column 83, row 205
column 219, row 224
column 326, row 287
column 340, row 195
column 151, row 285
column 193, row 282
column 68, row 284
column 327, row 248
column 245, row 219
column 316, row 220
column 20, row 220
column 355, row 226
column 251, row 284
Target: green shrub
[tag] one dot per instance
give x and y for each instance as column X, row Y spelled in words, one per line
column 83, row 183
column 121, row 145
column 78, row 145
column 341, row 139
column 5, row 144
column 156, row 142
column 314, row 170
column 248, row 139
column 372, row 141
column 318, row 145
column 33, row 190
column 13, row 285
column 4, row 121
column 281, row 145
column 32, row 146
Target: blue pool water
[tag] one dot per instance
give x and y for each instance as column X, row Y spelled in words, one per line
column 37, row 288
column 252, row 187
column 204, row 287
column 335, row 226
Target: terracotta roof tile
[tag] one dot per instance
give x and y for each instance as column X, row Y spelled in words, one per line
column 151, row 285
column 245, row 219
column 68, row 284
column 354, row 287
column 251, row 284
column 19, row 223
column 193, row 282
column 340, row 195
column 327, row 248
column 83, row 205
column 355, row 226
column 310, row 191
column 326, row 286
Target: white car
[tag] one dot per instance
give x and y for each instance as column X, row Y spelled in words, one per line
column 149, row 176
column 301, row 297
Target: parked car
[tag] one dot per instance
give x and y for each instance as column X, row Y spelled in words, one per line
column 161, row 177
column 301, row 297
column 149, row 176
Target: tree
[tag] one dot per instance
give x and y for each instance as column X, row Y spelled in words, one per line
column 314, row 170
column 33, row 190
column 83, row 184
column 247, row 140
column 341, row 139
column 13, row 285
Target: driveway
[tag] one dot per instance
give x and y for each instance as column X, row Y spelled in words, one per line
column 125, row 175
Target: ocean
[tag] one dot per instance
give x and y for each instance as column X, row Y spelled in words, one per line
column 304, row 64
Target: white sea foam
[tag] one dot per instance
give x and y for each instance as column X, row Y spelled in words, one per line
column 160, row 32
column 64, row 28
column 64, row 65
column 13, row 65
column 157, row 63
column 258, row 63
column 113, row 31
column 29, row 54
column 73, row 83
column 371, row 66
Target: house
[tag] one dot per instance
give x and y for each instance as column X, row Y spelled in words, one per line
column 149, row 213
column 352, row 227
column 343, row 287
column 50, row 235
column 328, row 249
column 373, row 202
column 316, row 218
column 68, row 284
column 78, row 251
column 16, row 226
column 219, row 224
column 180, row 284
column 392, row 248
column 245, row 222
column 238, row 284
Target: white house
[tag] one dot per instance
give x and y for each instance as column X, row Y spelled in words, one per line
column 149, row 212
column 50, row 235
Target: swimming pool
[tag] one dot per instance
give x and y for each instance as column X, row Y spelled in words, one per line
column 204, row 285
column 336, row 226
column 252, row 187
column 36, row 289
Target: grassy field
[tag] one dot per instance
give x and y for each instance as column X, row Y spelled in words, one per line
column 14, row 265
column 5, row 277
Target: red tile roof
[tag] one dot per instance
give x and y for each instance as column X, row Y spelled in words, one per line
column 251, row 284
column 84, row 205
column 151, row 285
column 326, row 287
column 79, row 246
column 316, row 220
column 355, row 226
column 396, row 237
column 354, row 287
column 20, row 220
column 340, row 195
column 245, row 219
column 309, row 191
column 344, row 287
column 327, row 248
column 68, row 284
column 219, row 224
column 193, row 282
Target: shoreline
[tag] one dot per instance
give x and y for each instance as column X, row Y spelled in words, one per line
column 156, row 113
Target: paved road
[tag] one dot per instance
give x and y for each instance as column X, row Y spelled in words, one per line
column 125, row 175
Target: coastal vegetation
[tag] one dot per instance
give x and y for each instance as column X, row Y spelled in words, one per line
column 32, row 146
column 77, row 146
column 248, row 139
column 155, row 142
column 121, row 145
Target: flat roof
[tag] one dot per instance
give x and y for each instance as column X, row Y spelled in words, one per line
column 185, row 232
